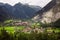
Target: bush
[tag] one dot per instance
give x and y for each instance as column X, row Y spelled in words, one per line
column 5, row 36
column 29, row 36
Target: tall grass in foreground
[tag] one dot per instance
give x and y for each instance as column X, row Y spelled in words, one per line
column 4, row 35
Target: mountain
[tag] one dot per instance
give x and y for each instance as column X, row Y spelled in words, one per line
column 25, row 11
column 3, row 13
column 19, row 11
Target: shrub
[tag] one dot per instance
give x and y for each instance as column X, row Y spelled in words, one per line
column 5, row 36
column 29, row 36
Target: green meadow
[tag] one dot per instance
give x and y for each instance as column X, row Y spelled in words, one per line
column 12, row 29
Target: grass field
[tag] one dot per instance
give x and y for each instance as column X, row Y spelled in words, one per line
column 12, row 29
column 57, row 30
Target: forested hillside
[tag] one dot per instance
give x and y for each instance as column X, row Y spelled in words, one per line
column 18, row 11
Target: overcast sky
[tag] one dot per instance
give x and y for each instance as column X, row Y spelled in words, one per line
column 40, row 3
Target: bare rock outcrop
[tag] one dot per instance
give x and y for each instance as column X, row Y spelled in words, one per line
column 51, row 15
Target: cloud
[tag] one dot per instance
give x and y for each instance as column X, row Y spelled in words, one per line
column 40, row 3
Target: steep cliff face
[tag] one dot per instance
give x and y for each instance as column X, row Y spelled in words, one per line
column 51, row 15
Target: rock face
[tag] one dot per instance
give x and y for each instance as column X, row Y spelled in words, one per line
column 51, row 15
column 47, row 17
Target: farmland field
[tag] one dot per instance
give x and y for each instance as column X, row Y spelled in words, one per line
column 12, row 29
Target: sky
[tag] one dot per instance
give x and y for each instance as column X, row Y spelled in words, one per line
column 40, row 3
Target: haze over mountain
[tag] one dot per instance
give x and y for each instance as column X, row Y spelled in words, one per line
column 19, row 11
column 40, row 3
